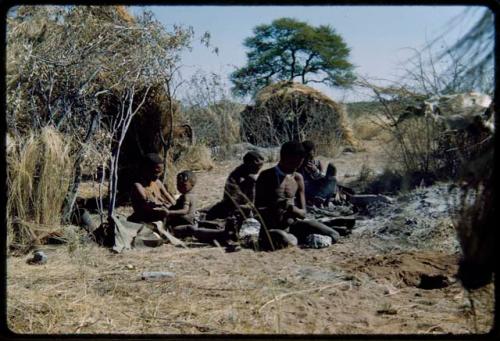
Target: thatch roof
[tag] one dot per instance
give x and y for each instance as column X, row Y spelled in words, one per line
column 288, row 90
column 288, row 110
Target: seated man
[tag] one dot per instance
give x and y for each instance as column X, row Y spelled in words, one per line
column 239, row 190
column 319, row 188
column 280, row 202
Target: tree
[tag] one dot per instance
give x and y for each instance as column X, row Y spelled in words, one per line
column 289, row 49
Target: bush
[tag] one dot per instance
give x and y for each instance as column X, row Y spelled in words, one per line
column 213, row 113
column 39, row 169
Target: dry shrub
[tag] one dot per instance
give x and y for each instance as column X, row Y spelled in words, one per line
column 212, row 112
column 415, row 145
column 366, row 128
column 39, row 171
column 475, row 222
column 195, row 158
column 217, row 125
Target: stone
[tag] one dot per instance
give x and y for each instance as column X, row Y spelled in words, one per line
column 39, row 257
column 317, row 241
column 250, row 227
column 157, row 275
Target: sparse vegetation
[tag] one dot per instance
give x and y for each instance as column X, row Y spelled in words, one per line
column 213, row 113
column 78, row 77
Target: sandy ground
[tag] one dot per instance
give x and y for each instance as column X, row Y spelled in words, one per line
column 371, row 282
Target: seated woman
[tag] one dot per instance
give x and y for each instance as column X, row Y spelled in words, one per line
column 149, row 196
column 239, row 190
column 319, row 188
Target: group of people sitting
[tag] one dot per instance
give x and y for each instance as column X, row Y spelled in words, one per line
column 276, row 198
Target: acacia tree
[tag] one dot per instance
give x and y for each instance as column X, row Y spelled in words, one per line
column 289, row 49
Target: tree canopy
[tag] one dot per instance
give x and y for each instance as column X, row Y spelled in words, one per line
column 289, row 49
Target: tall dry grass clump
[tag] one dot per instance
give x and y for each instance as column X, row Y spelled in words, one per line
column 39, row 169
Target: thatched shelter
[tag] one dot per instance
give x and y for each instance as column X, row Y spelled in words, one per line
column 91, row 73
column 292, row 111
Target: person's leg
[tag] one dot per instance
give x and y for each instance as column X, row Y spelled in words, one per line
column 213, row 225
column 327, row 188
column 226, row 235
column 183, row 231
column 302, row 228
column 279, row 240
column 331, row 170
column 207, row 235
column 218, row 211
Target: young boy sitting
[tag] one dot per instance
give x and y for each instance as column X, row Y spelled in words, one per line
column 181, row 216
column 183, row 211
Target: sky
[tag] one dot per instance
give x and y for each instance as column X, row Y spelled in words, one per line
column 381, row 38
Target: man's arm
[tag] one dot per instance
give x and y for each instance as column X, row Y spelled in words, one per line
column 299, row 210
column 264, row 190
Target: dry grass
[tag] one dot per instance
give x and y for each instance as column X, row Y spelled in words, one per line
column 288, row 291
column 366, row 128
column 338, row 290
column 39, row 171
column 292, row 111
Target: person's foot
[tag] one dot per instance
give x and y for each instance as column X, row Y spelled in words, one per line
column 233, row 247
column 318, row 201
column 231, row 229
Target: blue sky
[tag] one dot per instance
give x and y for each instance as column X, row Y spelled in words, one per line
column 379, row 36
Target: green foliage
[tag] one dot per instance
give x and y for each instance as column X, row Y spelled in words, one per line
column 364, row 108
column 289, row 49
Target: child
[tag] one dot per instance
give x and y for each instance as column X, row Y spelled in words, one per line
column 181, row 216
column 183, row 211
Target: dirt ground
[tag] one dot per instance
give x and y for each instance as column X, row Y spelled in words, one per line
column 357, row 286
